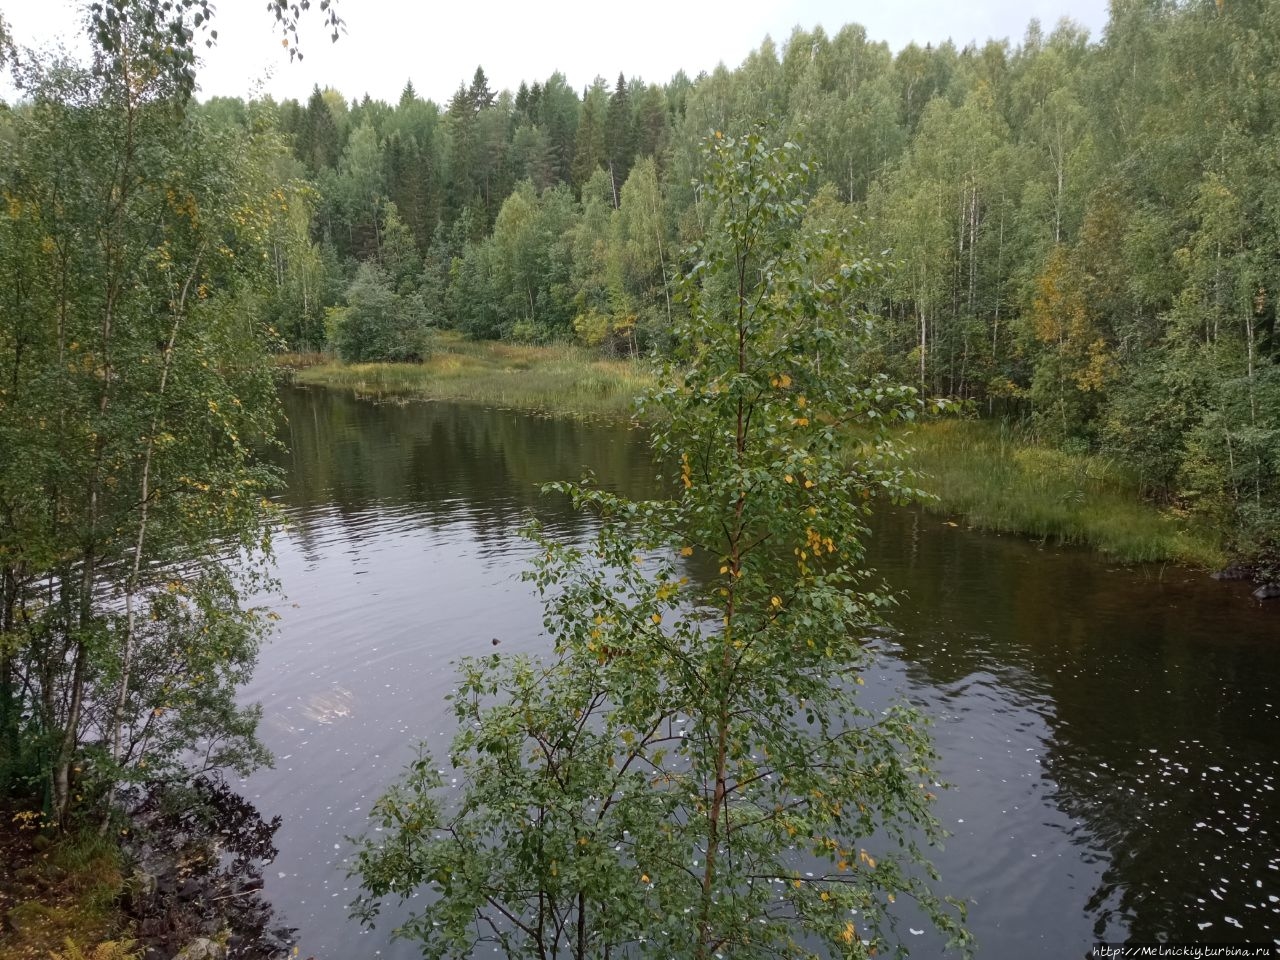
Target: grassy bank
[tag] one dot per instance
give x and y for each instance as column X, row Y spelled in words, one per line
column 555, row 379
column 997, row 480
column 986, row 472
column 59, row 897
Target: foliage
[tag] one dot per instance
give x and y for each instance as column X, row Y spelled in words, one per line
column 1069, row 232
column 692, row 773
column 61, row 892
column 134, row 248
column 378, row 322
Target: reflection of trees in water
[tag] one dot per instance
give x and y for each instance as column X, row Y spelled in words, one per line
column 442, row 462
column 201, row 850
column 1157, row 690
column 1114, row 663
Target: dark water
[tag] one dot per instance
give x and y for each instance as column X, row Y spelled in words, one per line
column 1111, row 734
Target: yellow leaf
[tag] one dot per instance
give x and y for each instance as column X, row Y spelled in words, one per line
column 644, row 878
column 686, row 551
column 656, row 618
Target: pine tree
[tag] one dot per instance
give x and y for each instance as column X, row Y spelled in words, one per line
column 590, row 152
column 479, row 94
column 619, row 136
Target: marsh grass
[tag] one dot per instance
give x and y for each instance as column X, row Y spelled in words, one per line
column 560, row 379
column 993, row 475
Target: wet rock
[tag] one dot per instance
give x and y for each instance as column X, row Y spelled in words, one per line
column 202, row 949
column 210, row 927
column 143, row 883
column 1268, row 591
column 1237, row 571
column 204, row 848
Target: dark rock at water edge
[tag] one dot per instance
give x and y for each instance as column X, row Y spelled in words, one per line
column 1268, row 591
column 1236, row 571
column 196, row 892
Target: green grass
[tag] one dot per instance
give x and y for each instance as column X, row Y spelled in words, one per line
column 558, row 379
column 992, row 475
column 60, row 899
column 989, row 472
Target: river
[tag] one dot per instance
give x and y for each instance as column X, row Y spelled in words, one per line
column 1110, row 733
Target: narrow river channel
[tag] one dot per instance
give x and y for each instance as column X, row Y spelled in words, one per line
column 1111, row 734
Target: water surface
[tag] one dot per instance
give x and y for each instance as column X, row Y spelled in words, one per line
column 1111, row 733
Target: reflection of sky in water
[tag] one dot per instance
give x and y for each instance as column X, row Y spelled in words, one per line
column 358, row 674
column 1110, row 737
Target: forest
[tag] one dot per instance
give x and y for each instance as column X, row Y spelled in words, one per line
column 1077, row 247
column 1078, row 235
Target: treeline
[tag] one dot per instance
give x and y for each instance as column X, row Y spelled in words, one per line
column 1086, row 228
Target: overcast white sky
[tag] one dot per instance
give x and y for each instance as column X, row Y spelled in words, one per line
column 439, row 45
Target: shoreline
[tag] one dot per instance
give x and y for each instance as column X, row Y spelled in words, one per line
column 987, row 472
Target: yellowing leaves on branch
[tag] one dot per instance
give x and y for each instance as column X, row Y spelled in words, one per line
column 732, row 704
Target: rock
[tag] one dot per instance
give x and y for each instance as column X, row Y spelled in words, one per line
column 202, row 949
column 210, row 927
column 144, row 884
column 166, row 885
column 1268, row 591
column 1234, row 572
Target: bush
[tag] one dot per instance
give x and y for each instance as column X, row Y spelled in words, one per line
column 379, row 324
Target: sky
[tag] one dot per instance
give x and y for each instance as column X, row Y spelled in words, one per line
column 439, row 45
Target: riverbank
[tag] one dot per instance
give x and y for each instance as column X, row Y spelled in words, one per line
column 183, row 879
column 561, row 379
column 987, row 473
column 55, row 893
column 990, row 474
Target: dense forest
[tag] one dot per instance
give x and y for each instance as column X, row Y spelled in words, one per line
column 1078, row 235
column 1078, row 246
